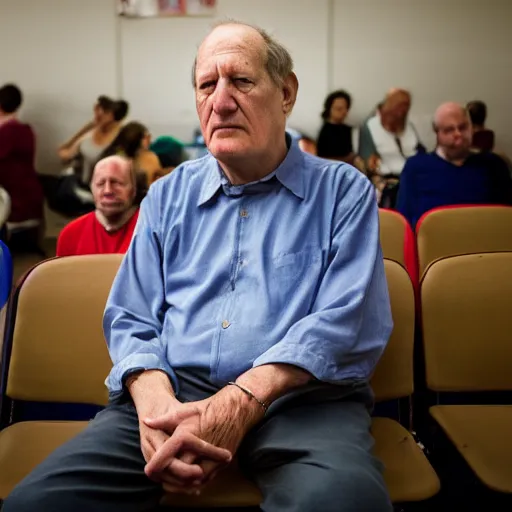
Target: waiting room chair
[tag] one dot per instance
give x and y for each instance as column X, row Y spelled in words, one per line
column 458, row 230
column 398, row 242
column 408, row 474
column 467, row 323
column 57, row 353
column 54, row 351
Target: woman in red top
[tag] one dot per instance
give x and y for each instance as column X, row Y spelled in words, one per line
column 17, row 152
column 109, row 229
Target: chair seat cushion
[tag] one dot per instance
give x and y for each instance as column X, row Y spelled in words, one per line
column 26, row 444
column 481, row 434
column 408, row 474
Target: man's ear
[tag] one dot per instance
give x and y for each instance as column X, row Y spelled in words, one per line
column 290, row 88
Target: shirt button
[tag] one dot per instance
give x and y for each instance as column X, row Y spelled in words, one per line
column 225, row 324
column 244, row 213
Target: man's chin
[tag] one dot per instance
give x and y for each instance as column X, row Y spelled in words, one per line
column 228, row 148
column 111, row 211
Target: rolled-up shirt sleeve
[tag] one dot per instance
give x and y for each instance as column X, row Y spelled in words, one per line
column 350, row 322
column 134, row 313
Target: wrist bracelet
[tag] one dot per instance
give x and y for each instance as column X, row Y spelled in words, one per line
column 249, row 393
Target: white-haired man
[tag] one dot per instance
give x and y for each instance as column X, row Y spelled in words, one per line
column 246, row 318
column 108, row 229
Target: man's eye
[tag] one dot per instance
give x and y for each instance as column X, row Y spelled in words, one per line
column 243, row 80
column 207, row 85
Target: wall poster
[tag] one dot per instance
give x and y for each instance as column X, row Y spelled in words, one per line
column 165, row 8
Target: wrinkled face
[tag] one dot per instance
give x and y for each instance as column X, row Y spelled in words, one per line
column 339, row 111
column 242, row 112
column 454, row 134
column 112, row 188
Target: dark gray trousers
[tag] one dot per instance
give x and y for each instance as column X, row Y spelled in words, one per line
column 311, row 453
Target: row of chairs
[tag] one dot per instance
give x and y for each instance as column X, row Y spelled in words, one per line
column 442, row 232
column 408, row 474
column 54, row 352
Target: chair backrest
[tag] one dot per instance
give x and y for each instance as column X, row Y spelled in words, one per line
column 458, row 230
column 57, row 348
column 397, row 241
column 393, row 377
column 467, row 323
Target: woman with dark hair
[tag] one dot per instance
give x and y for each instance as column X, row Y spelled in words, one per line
column 89, row 142
column 132, row 142
column 335, row 137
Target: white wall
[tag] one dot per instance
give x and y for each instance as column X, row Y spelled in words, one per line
column 64, row 53
column 442, row 50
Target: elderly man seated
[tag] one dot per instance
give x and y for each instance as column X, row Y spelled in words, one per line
column 109, row 229
column 246, row 318
column 452, row 174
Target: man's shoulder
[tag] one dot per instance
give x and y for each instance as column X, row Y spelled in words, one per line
column 420, row 160
column 79, row 223
column 189, row 174
column 333, row 175
column 71, row 233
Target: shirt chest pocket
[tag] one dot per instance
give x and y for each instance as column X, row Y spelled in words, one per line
column 296, row 275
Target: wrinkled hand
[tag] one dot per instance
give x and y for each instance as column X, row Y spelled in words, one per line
column 178, row 473
column 204, row 434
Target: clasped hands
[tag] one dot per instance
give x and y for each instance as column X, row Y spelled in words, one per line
column 185, row 445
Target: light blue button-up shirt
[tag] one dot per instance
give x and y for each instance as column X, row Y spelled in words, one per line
column 223, row 278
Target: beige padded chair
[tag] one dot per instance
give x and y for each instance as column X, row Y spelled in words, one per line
column 408, row 474
column 454, row 231
column 467, row 326
column 392, row 235
column 398, row 242
column 59, row 354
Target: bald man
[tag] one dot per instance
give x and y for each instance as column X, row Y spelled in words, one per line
column 246, row 318
column 109, row 229
column 452, row 174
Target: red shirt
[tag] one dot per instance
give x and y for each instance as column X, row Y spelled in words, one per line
column 86, row 235
column 17, row 172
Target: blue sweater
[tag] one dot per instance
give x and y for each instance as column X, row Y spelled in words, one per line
column 428, row 181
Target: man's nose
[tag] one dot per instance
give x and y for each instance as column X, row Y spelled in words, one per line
column 223, row 101
column 107, row 188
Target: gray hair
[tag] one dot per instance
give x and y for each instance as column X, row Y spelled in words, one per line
column 278, row 63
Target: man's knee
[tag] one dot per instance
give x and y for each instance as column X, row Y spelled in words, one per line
column 330, row 489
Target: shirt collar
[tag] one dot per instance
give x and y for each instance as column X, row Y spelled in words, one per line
column 287, row 174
